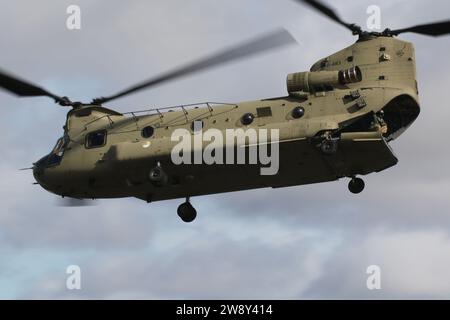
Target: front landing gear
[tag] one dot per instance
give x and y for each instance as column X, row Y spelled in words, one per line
column 328, row 143
column 186, row 211
column 329, row 146
column 356, row 185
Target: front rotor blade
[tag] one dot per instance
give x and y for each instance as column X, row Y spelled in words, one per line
column 265, row 43
column 73, row 202
column 319, row 6
column 23, row 88
column 431, row 29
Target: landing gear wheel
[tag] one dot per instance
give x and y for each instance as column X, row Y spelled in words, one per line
column 187, row 212
column 356, row 185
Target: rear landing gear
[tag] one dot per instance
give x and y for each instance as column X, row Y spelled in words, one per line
column 356, row 185
column 186, row 211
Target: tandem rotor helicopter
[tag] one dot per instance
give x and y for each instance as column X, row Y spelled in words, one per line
column 335, row 122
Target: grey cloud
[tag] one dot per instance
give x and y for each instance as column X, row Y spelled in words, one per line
column 412, row 263
column 31, row 218
column 222, row 269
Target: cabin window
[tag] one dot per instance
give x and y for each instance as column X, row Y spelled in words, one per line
column 298, row 112
column 96, row 139
column 247, row 119
column 148, row 132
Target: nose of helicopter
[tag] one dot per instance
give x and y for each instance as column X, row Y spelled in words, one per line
column 38, row 170
column 49, row 174
column 45, row 174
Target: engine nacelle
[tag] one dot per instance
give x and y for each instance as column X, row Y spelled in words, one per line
column 322, row 80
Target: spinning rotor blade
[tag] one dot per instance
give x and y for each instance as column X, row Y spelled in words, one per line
column 23, row 88
column 319, row 6
column 431, row 29
column 265, row 43
column 72, row 202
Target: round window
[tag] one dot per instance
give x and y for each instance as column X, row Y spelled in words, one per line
column 247, row 119
column 148, row 131
column 298, row 112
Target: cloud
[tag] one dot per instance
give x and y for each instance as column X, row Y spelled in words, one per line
column 31, row 218
column 200, row 267
column 413, row 266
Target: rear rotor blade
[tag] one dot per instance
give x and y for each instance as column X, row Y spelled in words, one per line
column 319, row 6
column 23, row 88
column 431, row 29
column 271, row 41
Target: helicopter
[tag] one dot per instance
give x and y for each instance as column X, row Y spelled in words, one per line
column 335, row 122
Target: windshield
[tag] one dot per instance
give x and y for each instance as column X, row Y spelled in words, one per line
column 55, row 157
column 59, row 147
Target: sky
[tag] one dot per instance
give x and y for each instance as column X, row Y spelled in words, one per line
column 305, row 242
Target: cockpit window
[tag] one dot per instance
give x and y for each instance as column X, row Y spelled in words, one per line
column 59, row 147
column 53, row 160
column 55, row 157
column 96, row 139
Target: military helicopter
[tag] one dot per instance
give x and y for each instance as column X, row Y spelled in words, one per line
column 336, row 122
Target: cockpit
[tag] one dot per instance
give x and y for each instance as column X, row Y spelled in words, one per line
column 55, row 156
